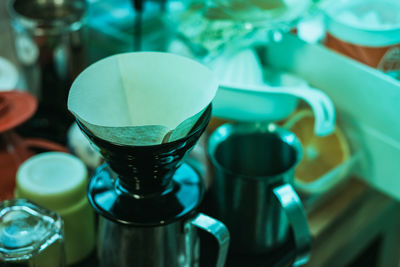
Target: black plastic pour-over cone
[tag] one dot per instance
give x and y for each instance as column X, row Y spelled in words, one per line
column 148, row 185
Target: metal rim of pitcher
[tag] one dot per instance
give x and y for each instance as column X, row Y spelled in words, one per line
column 57, row 26
column 224, row 131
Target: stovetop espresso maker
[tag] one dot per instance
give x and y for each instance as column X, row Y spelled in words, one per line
column 147, row 197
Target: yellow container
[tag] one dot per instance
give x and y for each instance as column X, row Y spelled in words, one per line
column 58, row 182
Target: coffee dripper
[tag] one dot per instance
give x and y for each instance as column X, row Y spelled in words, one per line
column 147, row 196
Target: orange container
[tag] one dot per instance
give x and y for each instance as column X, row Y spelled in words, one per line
column 367, row 31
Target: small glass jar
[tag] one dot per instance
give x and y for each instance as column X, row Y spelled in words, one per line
column 30, row 235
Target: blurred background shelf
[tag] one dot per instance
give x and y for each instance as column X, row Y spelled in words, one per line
column 358, row 226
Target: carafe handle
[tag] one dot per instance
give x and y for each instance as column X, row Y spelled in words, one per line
column 294, row 211
column 219, row 231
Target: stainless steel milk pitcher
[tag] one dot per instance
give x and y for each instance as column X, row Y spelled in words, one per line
column 251, row 191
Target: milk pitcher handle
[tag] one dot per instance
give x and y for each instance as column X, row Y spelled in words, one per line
column 219, row 231
column 294, row 211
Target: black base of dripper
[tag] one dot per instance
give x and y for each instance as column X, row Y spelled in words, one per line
column 178, row 201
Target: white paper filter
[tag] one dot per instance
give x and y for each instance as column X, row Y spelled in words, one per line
column 142, row 98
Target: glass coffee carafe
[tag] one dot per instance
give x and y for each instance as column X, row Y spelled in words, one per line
column 148, row 199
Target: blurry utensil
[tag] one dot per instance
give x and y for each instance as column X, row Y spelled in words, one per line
column 8, row 75
column 49, row 38
column 137, row 31
column 262, row 102
column 272, row 14
column 15, row 108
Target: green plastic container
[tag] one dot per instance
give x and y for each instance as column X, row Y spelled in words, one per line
column 58, row 182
